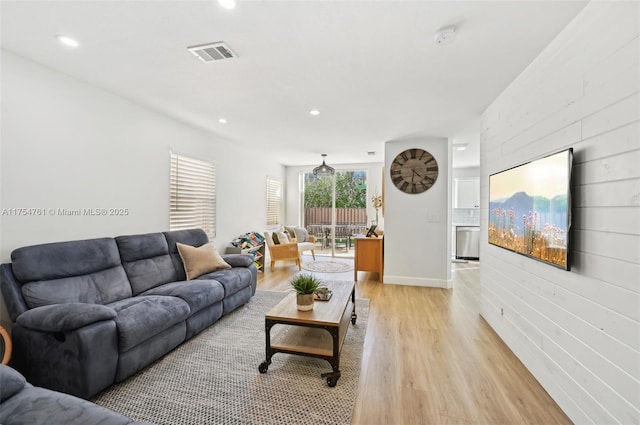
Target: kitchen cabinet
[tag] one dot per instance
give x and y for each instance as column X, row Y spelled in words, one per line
column 467, row 192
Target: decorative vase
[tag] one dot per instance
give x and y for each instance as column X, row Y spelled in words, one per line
column 304, row 301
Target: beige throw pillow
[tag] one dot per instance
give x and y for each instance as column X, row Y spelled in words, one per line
column 282, row 237
column 201, row 260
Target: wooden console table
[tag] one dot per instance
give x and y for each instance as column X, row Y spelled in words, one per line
column 369, row 256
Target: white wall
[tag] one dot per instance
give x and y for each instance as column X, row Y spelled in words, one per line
column 578, row 332
column 417, row 237
column 67, row 144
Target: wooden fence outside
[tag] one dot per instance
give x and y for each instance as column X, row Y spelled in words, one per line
column 343, row 216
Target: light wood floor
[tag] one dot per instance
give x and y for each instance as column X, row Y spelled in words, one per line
column 430, row 358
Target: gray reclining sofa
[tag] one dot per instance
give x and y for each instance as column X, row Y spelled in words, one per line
column 90, row 313
column 23, row 404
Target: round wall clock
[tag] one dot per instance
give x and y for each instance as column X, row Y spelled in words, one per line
column 414, row 171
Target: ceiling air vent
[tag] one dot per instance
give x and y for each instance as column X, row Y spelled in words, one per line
column 212, row 52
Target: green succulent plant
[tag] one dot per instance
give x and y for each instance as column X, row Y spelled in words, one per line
column 305, row 283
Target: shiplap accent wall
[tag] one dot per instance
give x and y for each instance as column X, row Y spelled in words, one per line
column 578, row 332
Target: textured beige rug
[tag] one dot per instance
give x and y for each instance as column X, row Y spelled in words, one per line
column 214, row 379
column 320, row 266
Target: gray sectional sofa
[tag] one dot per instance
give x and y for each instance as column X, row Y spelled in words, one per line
column 23, row 404
column 91, row 313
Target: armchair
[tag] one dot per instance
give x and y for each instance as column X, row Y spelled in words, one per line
column 284, row 251
column 305, row 241
column 308, row 245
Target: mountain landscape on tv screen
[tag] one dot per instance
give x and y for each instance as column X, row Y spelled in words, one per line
column 550, row 211
column 531, row 225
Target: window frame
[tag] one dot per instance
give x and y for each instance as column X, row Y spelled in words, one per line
column 192, row 194
column 274, row 201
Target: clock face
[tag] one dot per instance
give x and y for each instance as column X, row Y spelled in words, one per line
column 414, row 171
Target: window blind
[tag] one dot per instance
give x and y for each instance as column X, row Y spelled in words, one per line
column 274, row 202
column 193, row 195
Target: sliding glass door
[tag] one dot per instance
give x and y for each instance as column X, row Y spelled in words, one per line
column 335, row 210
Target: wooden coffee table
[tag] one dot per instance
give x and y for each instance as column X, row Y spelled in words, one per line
column 317, row 333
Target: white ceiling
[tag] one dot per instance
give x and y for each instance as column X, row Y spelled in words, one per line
column 370, row 67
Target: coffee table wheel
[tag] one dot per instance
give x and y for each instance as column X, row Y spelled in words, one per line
column 264, row 366
column 332, row 378
column 353, row 318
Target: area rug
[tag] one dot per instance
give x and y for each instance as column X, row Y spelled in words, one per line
column 326, row 266
column 213, row 378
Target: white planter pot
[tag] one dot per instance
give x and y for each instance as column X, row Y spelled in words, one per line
column 304, row 302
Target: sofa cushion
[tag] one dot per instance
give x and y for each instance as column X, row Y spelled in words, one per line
column 200, row 260
column 198, row 294
column 233, row 280
column 146, row 261
column 101, row 287
column 306, row 246
column 78, row 271
column 138, row 247
column 64, row 317
column 193, row 237
column 11, row 382
column 64, row 259
column 139, row 318
column 238, row 260
column 37, row 405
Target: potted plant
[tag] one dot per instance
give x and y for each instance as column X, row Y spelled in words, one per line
column 305, row 286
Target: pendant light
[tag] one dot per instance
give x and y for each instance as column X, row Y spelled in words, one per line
column 324, row 170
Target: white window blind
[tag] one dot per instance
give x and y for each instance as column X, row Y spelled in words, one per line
column 274, row 202
column 193, row 195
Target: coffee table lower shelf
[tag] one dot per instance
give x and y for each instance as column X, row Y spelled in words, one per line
column 309, row 339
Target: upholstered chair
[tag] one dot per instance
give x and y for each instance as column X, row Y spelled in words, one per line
column 282, row 251
column 306, row 242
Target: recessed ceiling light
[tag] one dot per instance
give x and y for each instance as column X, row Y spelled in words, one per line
column 314, row 112
column 222, row 121
column 461, row 147
column 67, row 41
column 227, row 4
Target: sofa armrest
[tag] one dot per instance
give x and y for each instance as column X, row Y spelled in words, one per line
column 11, row 382
column 64, row 317
column 238, row 260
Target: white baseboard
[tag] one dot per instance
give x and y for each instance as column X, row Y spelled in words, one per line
column 417, row 281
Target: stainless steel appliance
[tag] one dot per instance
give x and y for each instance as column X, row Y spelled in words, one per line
column 468, row 242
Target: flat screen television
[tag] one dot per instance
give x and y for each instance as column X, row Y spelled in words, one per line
column 530, row 209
